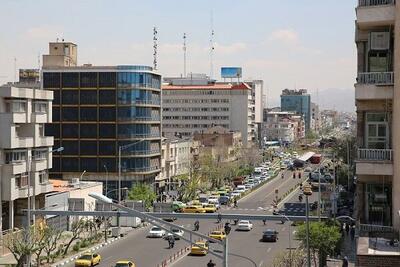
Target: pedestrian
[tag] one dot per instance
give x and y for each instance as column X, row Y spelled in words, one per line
column 294, row 175
column 345, row 262
column 347, row 228
column 299, row 175
column 219, row 217
column 235, row 203
column 352, row 232
column 210, row 264
column 264, row 221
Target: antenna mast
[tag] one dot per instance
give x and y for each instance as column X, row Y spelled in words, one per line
column 155, row 39
column 184, row 54
column 15, row 69
column 212, row 47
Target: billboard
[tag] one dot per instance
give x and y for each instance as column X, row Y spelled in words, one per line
column 231, row 72
column 29, row 75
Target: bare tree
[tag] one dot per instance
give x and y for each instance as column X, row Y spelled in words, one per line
column 50, row 242
column 21, row 244
column 76, row 229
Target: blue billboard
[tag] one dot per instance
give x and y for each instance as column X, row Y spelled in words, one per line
column 231, row 72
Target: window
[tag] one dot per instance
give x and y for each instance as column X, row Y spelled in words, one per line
column 107, row 148
column 89, row 164
column 40, row 154
column 43, row 177
column 51, row 80
column 107, row 97
column 70, row 164
column 56, row 97
column 41, row 130
column 71, row 148
column 16, row 106
column 56, row 114
column 15, row 156
column 377, row 136
column 21, row 180
column 70, row 97
column 107, row 130
column 70, row 131
column 88, row 97
column 110, row 163
column 56, row 164
column 70, row 80
column 88, row 130
column 88, row 147
column 107, row 114
column 107, row 79
column 52, row 129
column 88, row 80
column 70, row 114
column 88, row 114
column 39, row 107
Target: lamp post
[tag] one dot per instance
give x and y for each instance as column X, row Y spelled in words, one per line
column 105, row 167
column 83, row 173
column 307, row 192
column 28, row 168
column 290, row 240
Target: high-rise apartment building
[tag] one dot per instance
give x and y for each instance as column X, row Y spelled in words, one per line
column 196, row 103
column 378, row 112
column 25, row 151
column 298, row 101
column 96, row 111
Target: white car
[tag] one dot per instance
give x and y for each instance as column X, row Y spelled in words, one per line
column 156, row 231
column 177, row 233
column 244, row 225
column 236, row 193
column 213, row 200
column 241, row 188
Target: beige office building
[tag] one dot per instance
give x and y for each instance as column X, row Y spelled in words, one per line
column 378, row 113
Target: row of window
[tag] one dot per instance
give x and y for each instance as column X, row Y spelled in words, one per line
column 194, row 125
column 74, row 164
column 101, row 130
column 203, row 92
column 75, row 79
column 14, row 156
column 196, row 109
column 138, row 79
column 196, row 117
column 196, row 101
column 16, row 106
column 132, row 96
column 84, row 97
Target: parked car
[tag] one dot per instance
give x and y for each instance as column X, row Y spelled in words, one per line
column 236, row 193
column 193, row 209
column 244, row 225
column 156, row 231
column 213, row 199
column 209, row 208
column 270, row 235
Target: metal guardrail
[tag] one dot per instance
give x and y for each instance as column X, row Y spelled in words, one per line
column 375, row 2
column 380, row 78
column 375, row 154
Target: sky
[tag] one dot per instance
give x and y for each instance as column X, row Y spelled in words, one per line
column 287, row 43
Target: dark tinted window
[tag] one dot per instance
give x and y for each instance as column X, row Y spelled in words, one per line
column 88, row 79
column 110, row 164
column 107, row 79
column 70, row 164
column 69, row 114
column 88, row 147
column 89, row 164
column 107, row 148
column 88, row 130
column 88, row 114
column 107, row 130
column 56, row 114
column 70, row 131
column 106, row 114
column 56, row 164
column 70, row 147
column 51, row 80
column 56, row 97
column 70, row 79
column 70, row 97
column 88, row 97
column 106, row 96
column 52, row 129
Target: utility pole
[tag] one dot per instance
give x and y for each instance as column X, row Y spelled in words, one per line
column 226, row 252
column 307, row 192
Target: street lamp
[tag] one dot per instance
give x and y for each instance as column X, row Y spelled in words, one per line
column 83, row 173
column 120, row 148
column 105, row 167
column 112, row 190
column 290, row 239
column 307, row 192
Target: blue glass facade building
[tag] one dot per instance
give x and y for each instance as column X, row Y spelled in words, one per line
column 299, row 102
column 98, row 109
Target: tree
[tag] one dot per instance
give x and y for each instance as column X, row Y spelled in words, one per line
column 21, row 244
column 323, row 238
column 52, row 236
column 295, row 258
column 76, row 229
column 144, row 193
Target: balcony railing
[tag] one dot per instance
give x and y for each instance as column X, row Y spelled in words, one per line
column 139, row 135
column 143, row 152
column 144, row 169
column 382, row 78
column 375, row 154
column 375, row 2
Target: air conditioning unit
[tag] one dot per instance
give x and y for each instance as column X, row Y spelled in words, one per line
column 379, row 41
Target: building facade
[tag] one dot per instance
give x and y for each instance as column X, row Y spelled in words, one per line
column 315, row 118
column 96, row 111
column 298, row 101
column 378, row 112
column 283, row 126
column 194, row 105
column 25, row 151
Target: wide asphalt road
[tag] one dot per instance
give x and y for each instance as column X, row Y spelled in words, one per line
column 244, row 247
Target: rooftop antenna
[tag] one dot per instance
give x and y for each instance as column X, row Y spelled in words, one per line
column 212, row 47
column 15, row 69
column 184, row 54
column 155, row 39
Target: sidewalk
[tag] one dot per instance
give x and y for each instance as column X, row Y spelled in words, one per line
column 348, row 249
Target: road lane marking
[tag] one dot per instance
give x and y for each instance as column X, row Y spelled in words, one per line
column 283, row 229
column 261, row 264
column 268, row 250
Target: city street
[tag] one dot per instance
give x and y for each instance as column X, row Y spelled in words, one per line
column 150, row 252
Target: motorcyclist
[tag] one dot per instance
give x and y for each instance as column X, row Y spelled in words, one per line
column 282, row 175
column 171, row 242
column 196, row 225
column 227, row 228
column 300, row 198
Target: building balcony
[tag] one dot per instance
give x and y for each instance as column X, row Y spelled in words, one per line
column 40, row 118
column 14, row 168
column 372, row 91
column 145, row 170
column 373, row 13
column 44, row 188
column 374, row 161
column 13, row 117
column 39, row 165
column 150, row 152
column 144, row 136
column 376, row 78
column 44, row 141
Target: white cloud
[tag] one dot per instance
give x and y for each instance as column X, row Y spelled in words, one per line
column 44, row 32
column 286, row 36
column 229, row 48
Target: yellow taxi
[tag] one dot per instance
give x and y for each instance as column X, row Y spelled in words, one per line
column 196, row 203
column 200, row 248
column 219, row 235
column 193, row 209
column 209, row 208
column 87, row 260
column 124, row 263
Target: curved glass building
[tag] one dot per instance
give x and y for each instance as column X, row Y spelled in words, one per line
column 97, row 110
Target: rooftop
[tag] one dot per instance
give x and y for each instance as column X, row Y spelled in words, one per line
column 210, row 86
column 65, row 186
